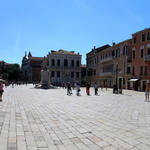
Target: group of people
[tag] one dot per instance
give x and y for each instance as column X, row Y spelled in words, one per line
column 78, row 90
column 76, row 86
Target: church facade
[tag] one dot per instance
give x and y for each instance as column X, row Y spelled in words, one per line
column 31, row 68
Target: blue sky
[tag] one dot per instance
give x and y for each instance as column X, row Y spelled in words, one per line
column 43, row 25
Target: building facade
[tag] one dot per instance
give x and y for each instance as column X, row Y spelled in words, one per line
column 126, row 64
column 122, row 66
column 111, row 65
column 141, row 58
column 64, row 66
column 93, row 64
column 31, row 68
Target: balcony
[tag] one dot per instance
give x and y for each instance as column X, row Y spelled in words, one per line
column 106, row 73
column 147, row 58
column 107, row 59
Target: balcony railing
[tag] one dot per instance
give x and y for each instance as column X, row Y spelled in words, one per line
column 147, row 58
column 106, row 73
column 106, row 59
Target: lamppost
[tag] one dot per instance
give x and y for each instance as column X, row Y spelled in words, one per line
column 115, row 87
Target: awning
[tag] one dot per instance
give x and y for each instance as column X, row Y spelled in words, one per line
column 133, row 80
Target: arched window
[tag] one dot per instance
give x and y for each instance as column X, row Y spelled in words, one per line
column 125, row 50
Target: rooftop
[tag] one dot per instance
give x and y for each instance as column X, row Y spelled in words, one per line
column 61, row 51
column 141, row 31
column 36, row 58
column 99, row 48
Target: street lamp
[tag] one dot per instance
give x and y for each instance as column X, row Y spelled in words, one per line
column 115, row 87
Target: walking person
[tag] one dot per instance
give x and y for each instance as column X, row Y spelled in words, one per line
column 78, row 89
column 1, row 90
column 88, row 89
column 147, row 90
column 69, row 89
column 106, row 86
column 101, row 87
column 96, row 88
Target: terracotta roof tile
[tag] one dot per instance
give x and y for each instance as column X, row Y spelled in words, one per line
column 64, row 52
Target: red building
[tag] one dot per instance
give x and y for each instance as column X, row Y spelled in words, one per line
column 141, row 58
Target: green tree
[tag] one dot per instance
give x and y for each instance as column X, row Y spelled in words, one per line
column 14, row 72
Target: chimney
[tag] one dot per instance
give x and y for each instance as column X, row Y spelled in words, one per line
column 94, row 47
column 114, row 43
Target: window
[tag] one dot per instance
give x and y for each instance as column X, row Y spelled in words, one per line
column 148, row 51
column 72, row 74
column 123, row 80
column 58, row 62
column 77, row 74
column 125, row 51
column 65, row 62
column 145, row 70
column 113, row 53
column 148, row 36
column 53, row 74
column 95, row 61
column 53, row 62
column 142, row 53
column 118, row 52
column 58, row 74
column 128, row 70
column 134, row 40
column 133, row 54
column 133, row 71
column 94, row 72
column 72, row 63
column 77, row 63
column 124, row 66
column 143, row 37
column 89, row 73
column 141, row 70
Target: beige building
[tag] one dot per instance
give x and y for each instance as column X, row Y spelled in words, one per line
column 122, row 67
column 93, row 64
column 64, row 66
column 110, row 64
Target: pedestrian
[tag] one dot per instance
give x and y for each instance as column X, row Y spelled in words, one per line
column 147, row 90
column 1, row 90
column 12, row 84
column 106, row 86
column 69, row 89
column 78, row 89
column 96, row 88
column 88, row 89
column 101, row 87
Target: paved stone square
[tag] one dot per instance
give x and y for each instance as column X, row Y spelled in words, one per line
column 36, row 119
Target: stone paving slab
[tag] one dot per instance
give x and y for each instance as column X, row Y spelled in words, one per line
column 36, row 119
